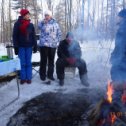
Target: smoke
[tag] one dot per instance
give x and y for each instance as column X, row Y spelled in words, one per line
column 75, row 50
column 82, row 34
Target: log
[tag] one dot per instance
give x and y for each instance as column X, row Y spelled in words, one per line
column 102, row 112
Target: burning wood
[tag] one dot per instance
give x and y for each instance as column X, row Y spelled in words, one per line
column 105, row 113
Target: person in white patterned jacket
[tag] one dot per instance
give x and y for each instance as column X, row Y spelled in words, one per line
column 49, row 40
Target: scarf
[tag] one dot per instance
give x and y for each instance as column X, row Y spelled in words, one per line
column 24, row 26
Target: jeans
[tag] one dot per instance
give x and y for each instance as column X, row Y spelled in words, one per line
column 25, row 55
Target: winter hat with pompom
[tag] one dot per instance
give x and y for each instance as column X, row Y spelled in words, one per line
column 23, row 12
column 122, row 13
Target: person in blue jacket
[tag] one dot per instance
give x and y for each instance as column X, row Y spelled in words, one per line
column 24, row 42
column 50, row 37
column 118, row 60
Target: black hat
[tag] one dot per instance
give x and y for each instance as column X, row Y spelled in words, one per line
column 122, row 13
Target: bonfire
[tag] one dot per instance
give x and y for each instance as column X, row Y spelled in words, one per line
column 105, row 113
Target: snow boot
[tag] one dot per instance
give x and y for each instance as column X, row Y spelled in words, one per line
column 22, row 82
column 52, row 78
column 47, row 81
column 42, row 78
column 84, row 80
column 29, row 81
column 61, row 82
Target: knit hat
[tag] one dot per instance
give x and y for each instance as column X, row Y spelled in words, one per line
column 48, row 12
column 23, row 12
column 122, row 13
column 70, row 34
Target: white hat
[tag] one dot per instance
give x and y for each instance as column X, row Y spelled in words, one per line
column 48, row 12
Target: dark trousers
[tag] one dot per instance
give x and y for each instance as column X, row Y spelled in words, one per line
column 61, row 64
column 47, row 55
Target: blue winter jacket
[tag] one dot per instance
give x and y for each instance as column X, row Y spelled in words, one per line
column 21, row 40
column 50, row 33
column 118, row 56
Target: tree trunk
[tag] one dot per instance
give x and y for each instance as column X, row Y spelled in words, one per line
column 2, row 22
column 124, row 4
column 10, row 26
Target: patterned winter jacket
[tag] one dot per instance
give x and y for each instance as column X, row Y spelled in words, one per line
column 50, row 33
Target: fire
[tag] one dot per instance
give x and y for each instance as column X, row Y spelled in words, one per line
column 109, row 92
column 113, row 118
column 109, row 99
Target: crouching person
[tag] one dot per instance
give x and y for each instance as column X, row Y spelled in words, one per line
column 69, row 54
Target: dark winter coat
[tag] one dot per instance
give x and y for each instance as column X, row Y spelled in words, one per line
column 66, row 50
column 21, row 40
column 118, row 56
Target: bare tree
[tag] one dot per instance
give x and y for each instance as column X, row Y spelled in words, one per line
column 124, row 4
column 10, row 23
column 2, row 22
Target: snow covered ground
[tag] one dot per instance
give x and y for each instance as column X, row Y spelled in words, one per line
column 96, row 55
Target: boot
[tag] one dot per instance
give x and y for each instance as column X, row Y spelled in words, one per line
column 22, row 82
column 52, row 78
column 29, row 81
column 48, row 82
column 42, row 78
column 61, row 82
column 84, row 80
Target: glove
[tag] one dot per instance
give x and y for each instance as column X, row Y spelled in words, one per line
column 16, row 50
column 34, row 49
column 71, row 61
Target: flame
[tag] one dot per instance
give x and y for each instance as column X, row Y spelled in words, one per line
column 109, row 99
column 109, row 92
column 113, row 118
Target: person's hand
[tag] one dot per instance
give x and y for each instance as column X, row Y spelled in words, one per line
column 34, row 49
column 45, row 21
column 71, row 60
column 16, row 50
